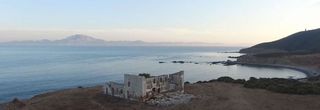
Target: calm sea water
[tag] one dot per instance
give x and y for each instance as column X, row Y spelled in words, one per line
column 29, row 70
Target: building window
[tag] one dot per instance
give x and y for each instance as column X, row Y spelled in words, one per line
column 121, row 92
column 129, row 83
column 154, row 80
column 160, row 79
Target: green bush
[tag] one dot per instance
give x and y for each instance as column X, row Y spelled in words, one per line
column 281, row 85
column 225, row 79
column 146, row 75
column 230, row 80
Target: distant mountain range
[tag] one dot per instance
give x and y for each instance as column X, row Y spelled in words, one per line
column 79, row 39
column 301, row 42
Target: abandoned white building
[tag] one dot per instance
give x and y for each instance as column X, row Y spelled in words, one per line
column 142, row 87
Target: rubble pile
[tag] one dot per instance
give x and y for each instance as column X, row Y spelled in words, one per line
column 172, row 98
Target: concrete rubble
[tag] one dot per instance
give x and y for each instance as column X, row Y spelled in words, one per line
column 171, row 98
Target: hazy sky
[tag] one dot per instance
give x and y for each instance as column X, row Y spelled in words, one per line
column 232, row 22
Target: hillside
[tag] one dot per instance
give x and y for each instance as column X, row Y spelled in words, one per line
column 209, row 96
column 305, row 41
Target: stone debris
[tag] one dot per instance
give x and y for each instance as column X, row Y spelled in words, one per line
column 172, row 98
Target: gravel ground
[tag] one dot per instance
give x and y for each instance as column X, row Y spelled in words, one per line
column 169, row 99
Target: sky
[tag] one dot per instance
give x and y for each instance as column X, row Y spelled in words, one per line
column 230, row 22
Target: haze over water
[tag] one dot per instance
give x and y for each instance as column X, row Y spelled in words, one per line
column 29, row 70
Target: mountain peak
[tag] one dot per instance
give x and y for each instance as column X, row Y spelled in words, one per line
column 80, row 38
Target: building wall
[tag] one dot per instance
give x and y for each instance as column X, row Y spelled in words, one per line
column 134, row 86
column 157, row 83
column 176, row 81
column 164, row 83
column 114, row 89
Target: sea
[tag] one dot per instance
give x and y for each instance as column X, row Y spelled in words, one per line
column 26, row 71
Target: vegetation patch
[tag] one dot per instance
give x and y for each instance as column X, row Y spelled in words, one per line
column 280, row 85
column 225, row 79
column 146, row 75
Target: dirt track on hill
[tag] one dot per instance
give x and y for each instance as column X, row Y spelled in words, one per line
column 209, row 96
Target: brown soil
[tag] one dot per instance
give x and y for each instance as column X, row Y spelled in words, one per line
column 209, row 96
column 2, row 106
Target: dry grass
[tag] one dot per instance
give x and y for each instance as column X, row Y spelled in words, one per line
column 209, row 96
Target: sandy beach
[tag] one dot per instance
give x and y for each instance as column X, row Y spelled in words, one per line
column 309, row 72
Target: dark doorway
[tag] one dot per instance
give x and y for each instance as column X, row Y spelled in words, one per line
column 158, row 90
column 153, row 89
column 112, row 91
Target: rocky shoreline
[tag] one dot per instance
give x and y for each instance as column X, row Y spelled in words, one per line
column 303, row 63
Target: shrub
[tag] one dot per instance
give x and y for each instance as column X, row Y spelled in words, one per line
column 202, row 82
column 212, row 80
column 239, row 81
column 146, row 75
column 199, row 82
column 225, row 79
column 281, row 85
column 230, row 80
